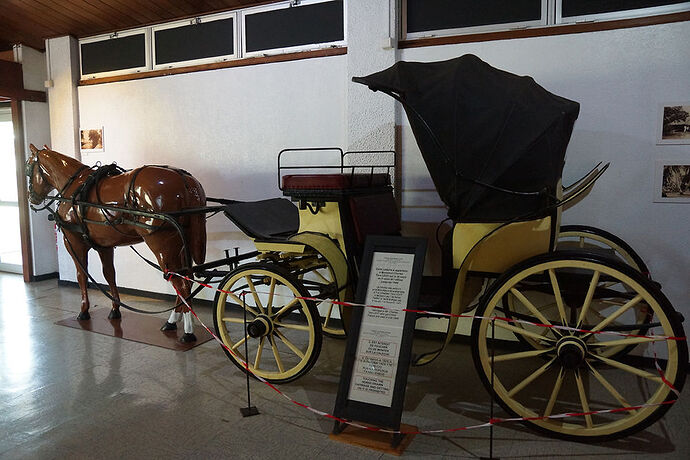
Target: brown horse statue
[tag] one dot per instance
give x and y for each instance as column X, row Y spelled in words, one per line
column 156, row 189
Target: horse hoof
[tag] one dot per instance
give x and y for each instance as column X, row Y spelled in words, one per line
column 188, row 337
column 169, row 327
column 114, row 314
column 83, row 316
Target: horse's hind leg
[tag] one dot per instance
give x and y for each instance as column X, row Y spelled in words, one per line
column 167, row 247
column 106, row 255
column 79, row 252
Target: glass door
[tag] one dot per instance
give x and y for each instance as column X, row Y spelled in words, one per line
column 10, row 242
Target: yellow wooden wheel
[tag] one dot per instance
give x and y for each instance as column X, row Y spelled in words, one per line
column 283, row 335
column 573, row 372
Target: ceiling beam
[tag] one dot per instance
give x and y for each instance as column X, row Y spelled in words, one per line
column 12, row 84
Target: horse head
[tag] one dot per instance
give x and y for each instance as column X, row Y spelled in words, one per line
column 38, row 185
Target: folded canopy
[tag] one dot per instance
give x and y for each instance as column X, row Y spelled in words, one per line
column 494, row 142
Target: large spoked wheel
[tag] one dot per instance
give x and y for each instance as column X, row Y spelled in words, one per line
column 321, row 282
column 283, row 330
column 560, row 371
column 586, row 237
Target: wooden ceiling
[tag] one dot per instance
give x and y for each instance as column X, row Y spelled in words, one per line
column 30, row 22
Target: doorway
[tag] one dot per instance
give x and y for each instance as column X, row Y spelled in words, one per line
column 10, row 241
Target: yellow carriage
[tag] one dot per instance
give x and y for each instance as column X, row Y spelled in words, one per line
column 575, row 302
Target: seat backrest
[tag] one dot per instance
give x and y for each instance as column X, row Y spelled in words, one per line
column 374, row 214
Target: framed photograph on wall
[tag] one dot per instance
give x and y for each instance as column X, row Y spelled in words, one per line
column 671, row 182
column 674, row 124
column 92, row 140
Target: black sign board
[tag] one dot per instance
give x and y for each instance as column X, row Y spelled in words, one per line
column 379, row 345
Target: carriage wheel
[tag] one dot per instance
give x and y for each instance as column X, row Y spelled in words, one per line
column 571, row 372
column 320, row 279
column 283, row 331
column 586, row 237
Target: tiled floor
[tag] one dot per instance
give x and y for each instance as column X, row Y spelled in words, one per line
column 66, row 393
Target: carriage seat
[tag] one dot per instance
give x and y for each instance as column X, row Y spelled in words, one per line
column 325, row 185
column 275, row 218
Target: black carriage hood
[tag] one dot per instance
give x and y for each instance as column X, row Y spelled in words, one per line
column 478, row 125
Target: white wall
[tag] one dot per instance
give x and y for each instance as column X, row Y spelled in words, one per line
column 619, row 77
column 36, row 128
column 226, row 127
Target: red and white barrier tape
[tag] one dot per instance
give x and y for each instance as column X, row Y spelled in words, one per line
column 491, row 422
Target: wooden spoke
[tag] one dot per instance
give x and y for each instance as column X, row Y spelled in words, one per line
column 271, row 293
column 328, row 315
column 240, row 303
column 582, row 242
column 289, row 344
column 520, row 386
column 588, row 299
column 554, row 393
column 255, row 294
column 290, row 306
column 230, row 319
column 521, row 355
column 521, row 331
column 605, row 383
column 613, row 316
column 259, row 351
column 323, row 278
column 276, row 355
column 296, row 327
column 583, row 399
column 237, row 345
column 625, row 342
column 525, row 301
column 557, row 295
column 630, row 369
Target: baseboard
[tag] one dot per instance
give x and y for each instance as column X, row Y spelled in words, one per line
column 46, row 276
column 137, row 292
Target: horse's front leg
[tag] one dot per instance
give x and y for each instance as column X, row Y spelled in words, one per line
column 184, row 288
column 106, row 255
column 79, row 252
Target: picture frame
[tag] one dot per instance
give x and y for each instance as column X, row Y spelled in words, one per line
column 91, row 140
column 673, row 123
column 671, row 181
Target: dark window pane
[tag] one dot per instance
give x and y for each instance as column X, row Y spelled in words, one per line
column 198, row 41
column 428, row 15
column 584, row 7
column 302, row 25
column 114, row 54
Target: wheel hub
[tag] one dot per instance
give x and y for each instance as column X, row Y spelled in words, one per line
column 571, row 352
column 261, row 326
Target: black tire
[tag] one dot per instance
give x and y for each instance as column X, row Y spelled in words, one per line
column 578, row 356
column 279, row 309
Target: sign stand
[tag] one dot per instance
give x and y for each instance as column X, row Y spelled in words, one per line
column 379, row 346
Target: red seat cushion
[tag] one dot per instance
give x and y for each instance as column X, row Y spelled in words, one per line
column 333, row 181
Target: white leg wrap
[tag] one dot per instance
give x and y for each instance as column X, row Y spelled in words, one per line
column 188, row 323
column 174, row 317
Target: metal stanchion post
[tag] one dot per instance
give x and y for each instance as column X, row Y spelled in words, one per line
column 249, row 410
column 491, row 411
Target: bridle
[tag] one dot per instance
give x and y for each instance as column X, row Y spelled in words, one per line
column 30, row 168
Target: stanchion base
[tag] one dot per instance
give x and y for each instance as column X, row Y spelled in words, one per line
column 376, row 440
column 249, row 411
column 489, row 458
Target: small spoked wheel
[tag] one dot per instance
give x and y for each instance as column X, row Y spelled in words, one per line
column 319, row 281
column 283, row 336
column 586, row 237
column 559, row 371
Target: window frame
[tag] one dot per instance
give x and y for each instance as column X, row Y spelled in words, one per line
column 191, row 21
column 290, row 49
column 546, row 15
column 622, row 14
column 114, row 36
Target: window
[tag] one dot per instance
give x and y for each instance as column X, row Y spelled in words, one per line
column 115, row 54
column 293, row 26
column 195, row 41
column 452, row 17
column 568, row 11
column 425, row 18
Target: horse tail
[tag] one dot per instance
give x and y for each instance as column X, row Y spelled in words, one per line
column 196, row 227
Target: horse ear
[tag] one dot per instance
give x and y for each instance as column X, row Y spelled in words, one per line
column 33, row 148
column 46, row 147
